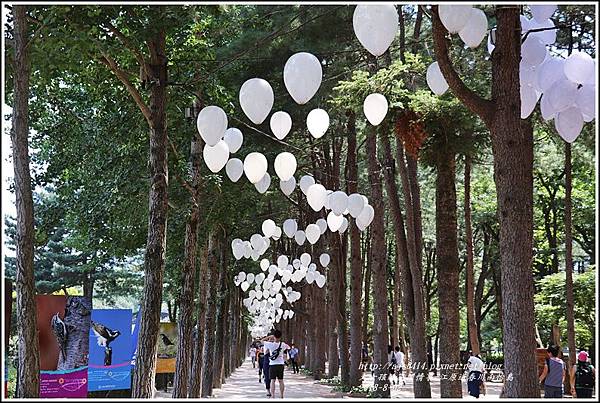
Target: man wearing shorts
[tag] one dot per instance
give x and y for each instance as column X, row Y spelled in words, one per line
column 275, row 348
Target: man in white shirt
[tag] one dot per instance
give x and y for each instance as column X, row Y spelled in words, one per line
column 399, row 364
column 276, row 348
column 476, row 375
column 253, row 355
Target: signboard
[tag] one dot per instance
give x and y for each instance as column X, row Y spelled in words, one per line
column 167, row 348
column 110, row 350
column 63, row 324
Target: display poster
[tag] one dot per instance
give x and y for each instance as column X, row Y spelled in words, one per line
column 63, row 324
column 110, row 350
column 8, row 297
column 167, row 348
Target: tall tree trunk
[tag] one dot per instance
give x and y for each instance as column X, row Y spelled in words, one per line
column 195, row 381
column 210, row 325
column 367, row 291
column 343, row 314
column 447, row 271
column 512, row 147
column 355, row 261
column 569, row 260
column 418, row 340
column 188, row 278
column 28, row 363
column 470, row 286
column 379, row 272
column 332, row 309
column 219, row 321
column 154, row 258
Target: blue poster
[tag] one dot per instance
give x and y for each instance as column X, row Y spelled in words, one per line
column 110, row 350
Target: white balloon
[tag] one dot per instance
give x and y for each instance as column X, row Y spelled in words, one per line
column 257, row 241
column 316, row 196
column 366, row 216
column 324, row 259
column 435, row 80
column 525, row 24
column 255, row 254
column 529, row 98
column 320, row 280
column 245, row 285
column 277, row 233
column 305, row 182
column 305, row 259
column 268, row 227
column 375, row 107
column 326, row 204
column 296, row 263
column 282, row 261
column 255, row 167
column 264, row 264
column 322, row 224
column 375, row 26
column 546, row 109
column 263, row 184
column 334, row 221
column 260, row 277
column 569, row 123
column 579, row 66
column 300, row 237
column 549, row 72
column 356, row 203
column 585, row 101
column 211, row 124
column 247, row 249
column 281, row 124
column 256, row 99
column 288, row 186
column 313, row 233
column 475, row 29
column 216, row 156
column 272, row 271
column 338, row 202
column 344, row 226
column 317, row 122
column 542, row 12
column 234, row 139
column 290, row 227
column 548, row 36
column 562, row 94
column 302, row 76
column 234, row 169
column 250, row 278
column 310, row 277
column 454, row 17
column 285, row 165
column 533, row 51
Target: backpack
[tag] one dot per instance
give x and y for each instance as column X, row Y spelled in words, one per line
column 275, row 354
column 584, row 377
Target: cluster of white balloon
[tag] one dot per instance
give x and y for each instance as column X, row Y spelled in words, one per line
column 375, row 27
column 568, row 85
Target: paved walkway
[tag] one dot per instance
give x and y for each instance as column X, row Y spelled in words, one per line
column 243, row 384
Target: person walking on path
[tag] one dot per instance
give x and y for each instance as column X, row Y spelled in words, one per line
column 253, row 355
column 475, row 375
column 265, row 365
column 293, row 354
column 275, row 348
column 583, row 376
column 399, row 365
column 553, row 374
column 259, row 357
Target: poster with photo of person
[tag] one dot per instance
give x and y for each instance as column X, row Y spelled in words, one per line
column 63, row 324
column 110, row 350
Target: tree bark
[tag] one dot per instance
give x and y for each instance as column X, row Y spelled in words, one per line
column 569, row 261
column 512, row 147
column 188, row 278
column 28, row 363
column 447, row 271
column 220, row 321
column 418, row 341
column 195, row 381
column 470, row 275
column 379, row 272
column 343, row 314
column 154, row 259
column 210, row 325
